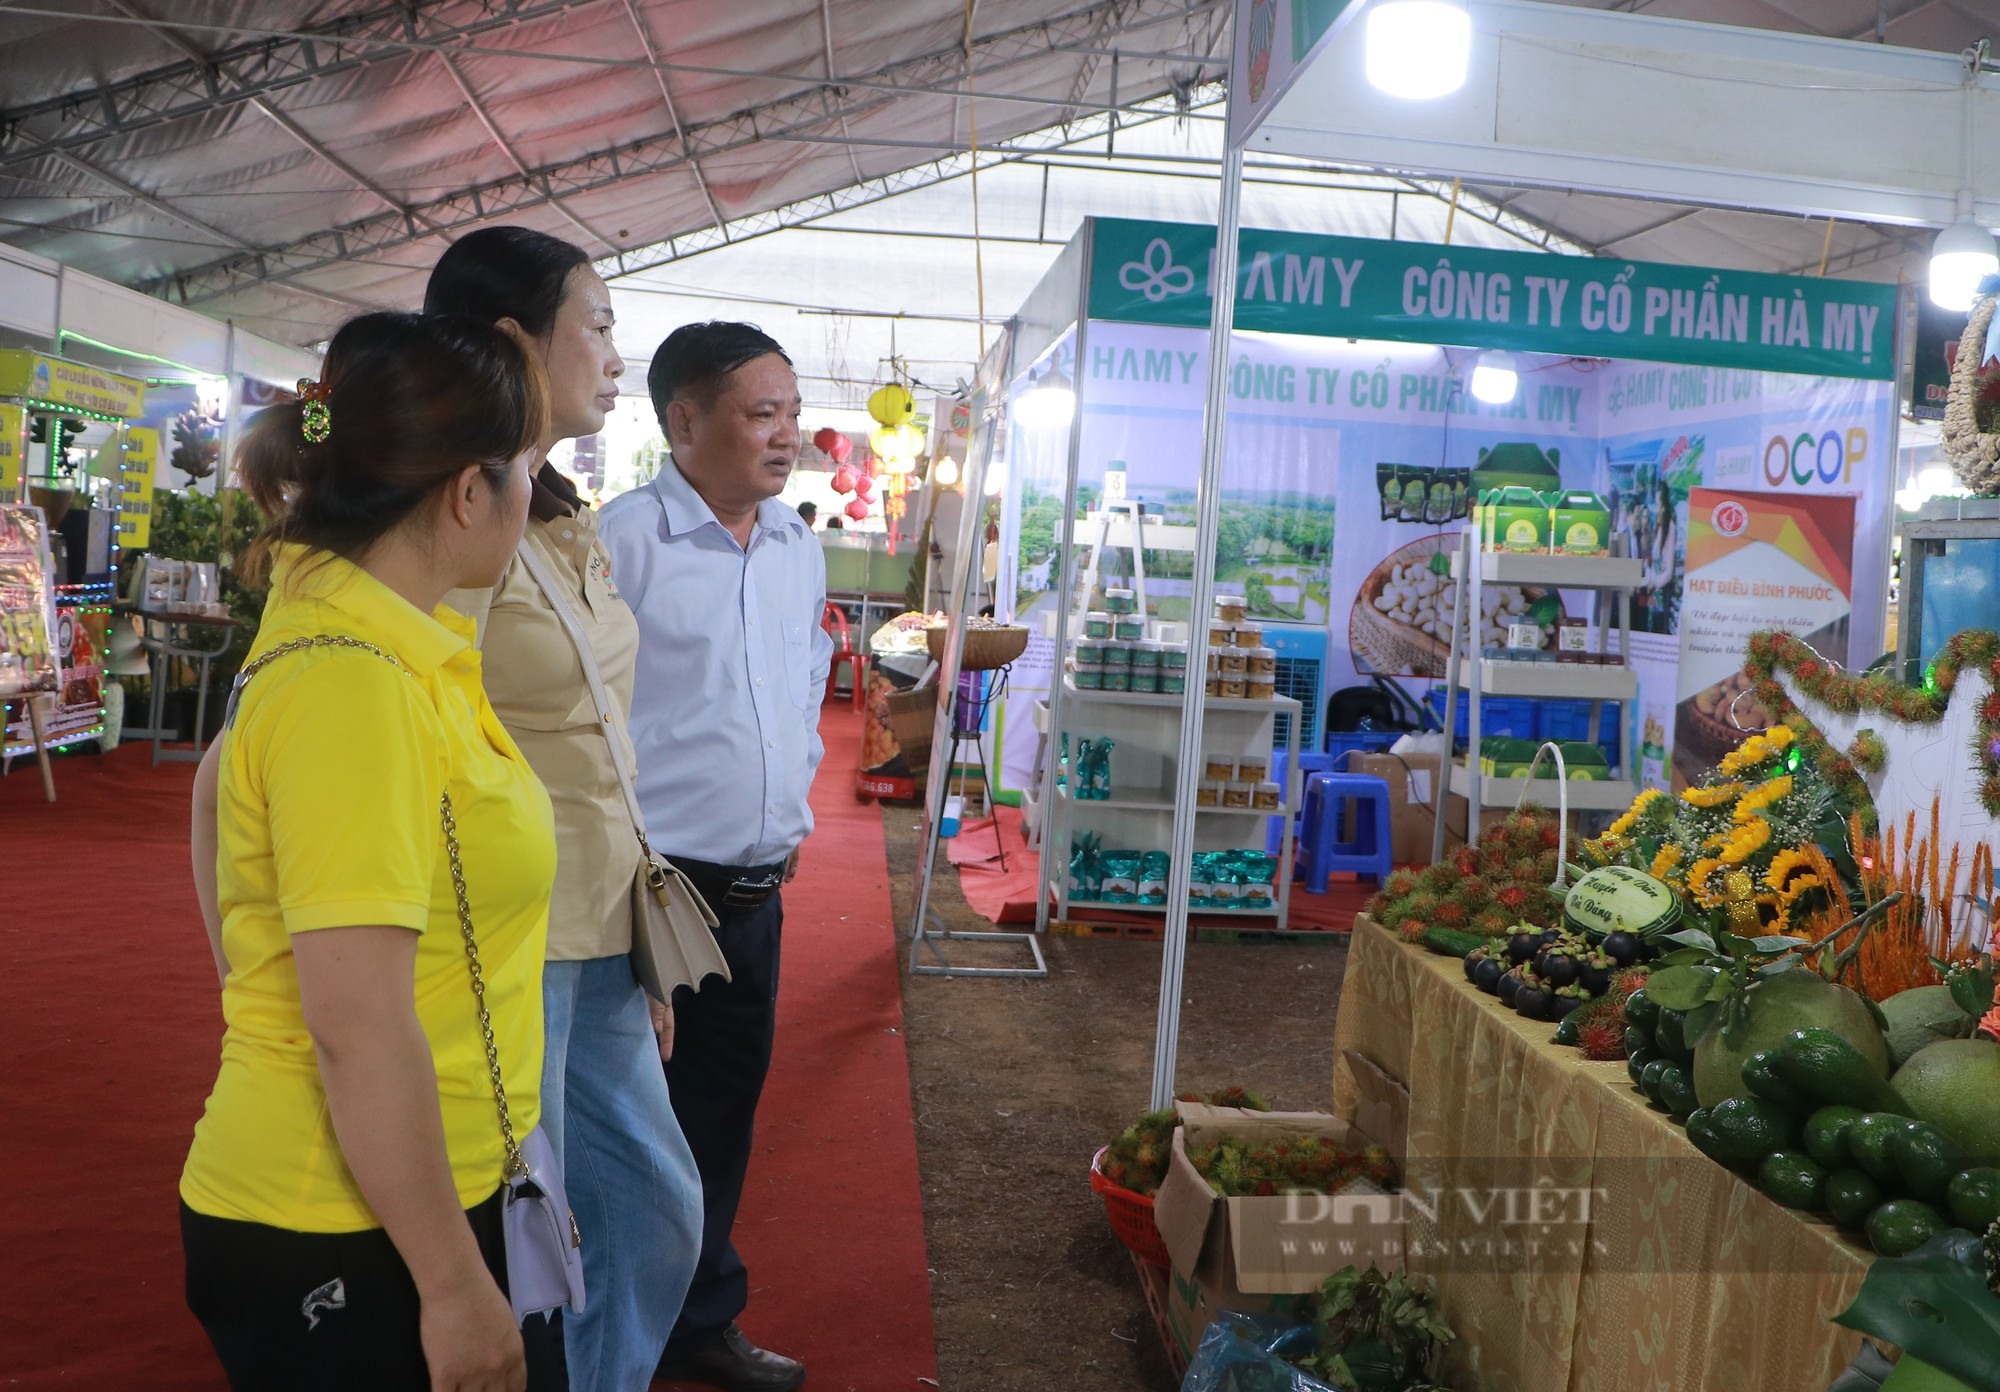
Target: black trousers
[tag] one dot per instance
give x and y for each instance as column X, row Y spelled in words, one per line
column 722, row 1052
column 331, row 1312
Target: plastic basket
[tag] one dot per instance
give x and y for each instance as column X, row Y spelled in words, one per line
column 1131, row 1217
column 1570, row 720
column 1513, row 717
column 1340, row 743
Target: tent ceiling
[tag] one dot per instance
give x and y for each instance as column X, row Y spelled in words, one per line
column 289, row 161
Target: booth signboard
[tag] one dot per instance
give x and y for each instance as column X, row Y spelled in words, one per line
column 1523, row 301
column 27, row 648
column 39, row 378
column 1933, row 353
column 135, row 488
column 13, row 449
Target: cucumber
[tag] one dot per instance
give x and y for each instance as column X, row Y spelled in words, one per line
column 1451, row 942
column 1900, row 1226
column 1925, row 1160
column 1831, row 1071
column 1826, row 1134
column 1793, row 1178
column 1761, row 1076
column 1850, row 1196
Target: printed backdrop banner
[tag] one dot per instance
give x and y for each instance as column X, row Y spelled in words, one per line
column 1524, row 301
column 1754, row 561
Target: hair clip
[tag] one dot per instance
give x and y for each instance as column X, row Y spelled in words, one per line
column 318, row 422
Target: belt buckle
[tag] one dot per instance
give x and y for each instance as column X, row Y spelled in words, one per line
column 749, row 893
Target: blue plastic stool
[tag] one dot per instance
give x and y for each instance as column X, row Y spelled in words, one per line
column 1311, row 761
column 1365, row 846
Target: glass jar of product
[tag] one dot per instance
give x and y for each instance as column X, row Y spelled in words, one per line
column 1117, row 678
column 1231, row 688
column 1097, row 624
column 1260, row 688
column 1220, row 769
column 1214, row 685
column 1232, row 662
column 1172, row 683
column 1266, row 798
column 1253, row 768
column 1230, row 609
column 1145, row 654
column 1129, row 628
column 1116, row 654
column 1208, row 793
column 1236, row 794
column 1249, row 635
column 1120, row 601
column 1261, row 662
column 1174, row 655
column 1090, row 650
column 1221, row 635
column 1089, row 676
column 1145, row 678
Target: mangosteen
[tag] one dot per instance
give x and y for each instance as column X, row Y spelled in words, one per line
column 1562, row 1005
column 1594, row 974
column 1522, row 947
column 1552, row 937
column 1509, row 984
column 1488, row 975
column 1562, row 969
column 1532, row 1002
column 1622, row 947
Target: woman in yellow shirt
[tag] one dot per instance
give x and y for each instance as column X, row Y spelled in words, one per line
column 341, row 1202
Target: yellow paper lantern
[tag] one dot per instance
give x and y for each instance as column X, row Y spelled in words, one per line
column 892, row 405
column 897, row 446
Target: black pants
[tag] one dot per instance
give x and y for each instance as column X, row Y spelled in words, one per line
column 330, row 1312
column 722, row 1052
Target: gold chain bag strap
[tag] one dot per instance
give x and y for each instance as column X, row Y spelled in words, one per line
column 673, row 937
column 544, row 1256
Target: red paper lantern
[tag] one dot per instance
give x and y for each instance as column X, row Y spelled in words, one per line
column 844, row 479
column 842, row 447
column 863, row 487
column 856, row 509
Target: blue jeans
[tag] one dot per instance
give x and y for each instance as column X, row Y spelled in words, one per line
column 631, row 1178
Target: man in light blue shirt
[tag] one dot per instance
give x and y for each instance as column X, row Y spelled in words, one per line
column 728, row 585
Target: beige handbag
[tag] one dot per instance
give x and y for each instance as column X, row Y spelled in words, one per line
column 673, row 938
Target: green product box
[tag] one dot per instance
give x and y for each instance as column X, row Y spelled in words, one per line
column 1583, row 762
column 1502, row 756
column 1517, row 519
column 1580, row 524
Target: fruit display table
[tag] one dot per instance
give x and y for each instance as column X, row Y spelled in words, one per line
column 1653, row 1267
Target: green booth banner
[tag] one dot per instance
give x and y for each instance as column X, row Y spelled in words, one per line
column 1535, row 302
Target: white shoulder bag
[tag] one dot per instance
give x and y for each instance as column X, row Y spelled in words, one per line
column 673, row 939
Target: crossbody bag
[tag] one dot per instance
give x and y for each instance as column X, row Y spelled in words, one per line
column 544, row 1248
column 673, row 937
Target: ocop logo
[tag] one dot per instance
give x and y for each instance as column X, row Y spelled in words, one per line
column 1730, row 518
column 1155, row 275
column 1829, row 457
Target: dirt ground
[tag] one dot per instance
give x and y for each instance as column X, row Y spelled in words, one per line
column 1017, row 1082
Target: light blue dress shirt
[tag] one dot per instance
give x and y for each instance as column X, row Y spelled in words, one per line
column 732, row 664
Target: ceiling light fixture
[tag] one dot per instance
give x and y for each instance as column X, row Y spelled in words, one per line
column 1495, row 378
column 1963, row 254
column 1418, row 49
column 1049, row 404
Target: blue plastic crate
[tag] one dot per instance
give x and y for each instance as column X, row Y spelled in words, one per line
column 1570, row 720
column 1341, row 742
column 1514, row 717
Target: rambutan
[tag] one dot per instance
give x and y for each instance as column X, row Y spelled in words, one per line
column 1411, row 929
column 1442, row 876
column 1524, row 870
column 1401, row 882
column 1492, row 921
column 1512, row 898
column 1602, row 1039
column 1467, row 861
column 1551, row 836
column 1452, row 914
column 1473, row 891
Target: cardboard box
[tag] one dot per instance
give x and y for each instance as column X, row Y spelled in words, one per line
column 1580, row 524
column 1413, row 793
column 1260, row 1255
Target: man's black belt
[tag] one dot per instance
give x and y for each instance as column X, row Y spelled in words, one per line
column 733, row 886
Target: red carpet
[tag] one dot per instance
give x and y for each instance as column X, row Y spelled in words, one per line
column 109, row 1029
column 1008, row 896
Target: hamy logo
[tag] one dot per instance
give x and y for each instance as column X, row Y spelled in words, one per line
column 1730, row 518
column 1155, row 275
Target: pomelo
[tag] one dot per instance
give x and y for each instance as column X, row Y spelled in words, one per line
column 1788, row 1001
column 1955, row 1086
column 1920, row 1017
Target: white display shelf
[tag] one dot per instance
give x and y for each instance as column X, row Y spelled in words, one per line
column 1075, row 904
column 1585, row 794
column 1225, row 704
column 1580, row 681
column 1568, row 572
column 1161, row 800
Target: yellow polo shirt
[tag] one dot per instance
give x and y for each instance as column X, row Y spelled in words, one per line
column 328, row 818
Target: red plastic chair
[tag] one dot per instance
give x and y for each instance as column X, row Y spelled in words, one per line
column 834, row 620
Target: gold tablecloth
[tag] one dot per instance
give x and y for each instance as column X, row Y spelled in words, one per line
column 1689, row 1278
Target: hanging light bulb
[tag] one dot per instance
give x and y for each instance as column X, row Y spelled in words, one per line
column 1495, row 378
column 945, row 474
column 1048, row 405
column 1961, row 257
column 1418, row 49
